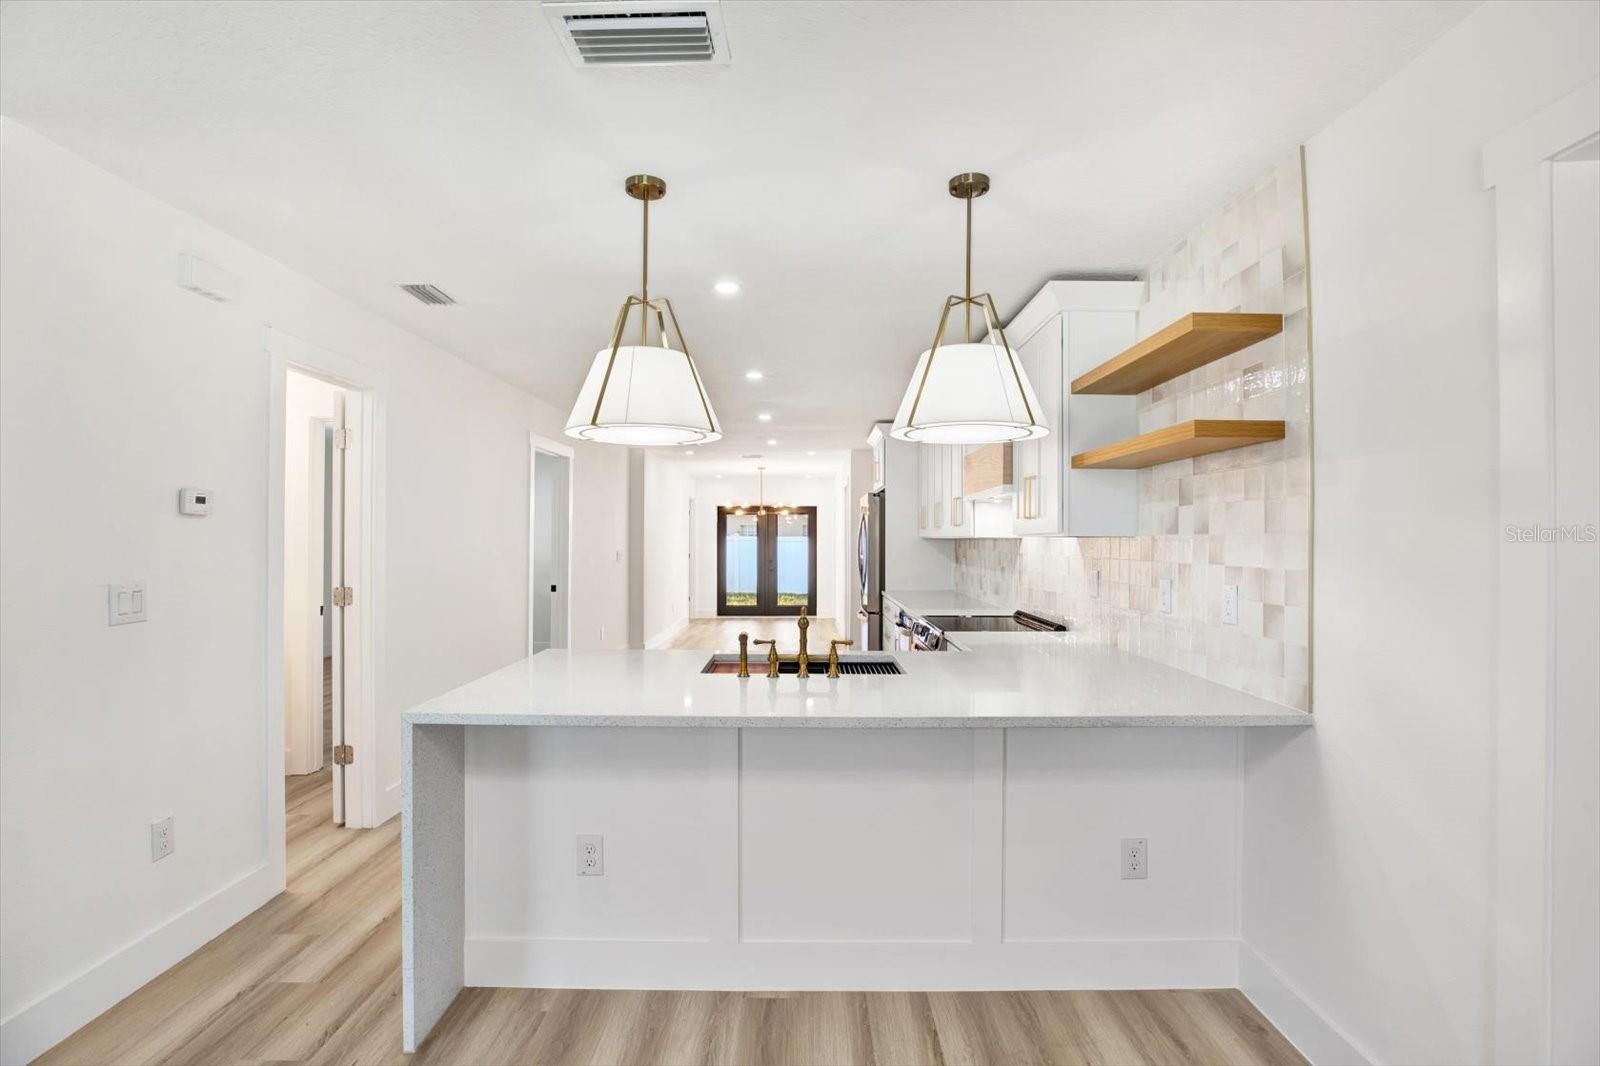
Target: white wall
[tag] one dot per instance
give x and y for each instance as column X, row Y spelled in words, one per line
column 668, row 490
column 117, row 388
column 1367, row 841
column 822, row 491
column 309, row 404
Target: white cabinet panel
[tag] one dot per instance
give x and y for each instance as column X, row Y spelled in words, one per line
column 858, row 834
column 1069, row 328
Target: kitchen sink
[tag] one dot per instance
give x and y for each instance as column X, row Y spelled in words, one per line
column 849, row 666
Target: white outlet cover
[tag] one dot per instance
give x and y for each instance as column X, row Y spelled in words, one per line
column 1135, row 858
column 1230, row 605
column 591, row 855
column 162, row 839
column 1166, row 595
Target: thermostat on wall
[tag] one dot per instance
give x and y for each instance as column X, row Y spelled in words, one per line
column 194, row 501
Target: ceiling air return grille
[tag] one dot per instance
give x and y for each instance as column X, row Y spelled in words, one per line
column 625, row 33
column 430, row 294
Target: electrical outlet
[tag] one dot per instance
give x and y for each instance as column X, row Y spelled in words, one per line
column 1094, row 584
column 591, row 855
column 1230, row 605
column 1166, row 595
column 162, row 840
column 1135, row 858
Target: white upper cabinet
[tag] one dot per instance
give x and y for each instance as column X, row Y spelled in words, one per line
column 1066, row 330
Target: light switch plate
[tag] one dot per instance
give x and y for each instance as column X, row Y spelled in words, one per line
column 125, row 604
column 1230, row 605
column 1166, row 595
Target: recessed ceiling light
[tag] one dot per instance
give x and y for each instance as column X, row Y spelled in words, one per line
column 726, row 287
column 753, row 375
column 771, row 443
column 763, row 417
column 811, row 453
column 688, row 451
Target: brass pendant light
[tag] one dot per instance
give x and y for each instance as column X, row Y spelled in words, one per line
column 644, row 394
column 973, row 392
column 760, row 509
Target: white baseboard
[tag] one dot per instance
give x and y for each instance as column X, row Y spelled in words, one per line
column 388, row 804
column 1312, row 1034
column 666, row 635
column 51, row 1018
column 851, row 966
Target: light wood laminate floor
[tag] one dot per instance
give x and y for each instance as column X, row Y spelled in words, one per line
column 314, row 977
column 722, row 634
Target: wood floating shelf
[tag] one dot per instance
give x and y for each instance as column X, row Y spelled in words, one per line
column 1183, row 441
column 1192, row 341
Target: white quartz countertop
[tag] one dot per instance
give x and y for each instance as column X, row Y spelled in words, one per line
column 923, row 602
column 1007, row 683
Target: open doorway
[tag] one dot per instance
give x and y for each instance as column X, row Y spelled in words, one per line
column 318, row 432
column 549, row 544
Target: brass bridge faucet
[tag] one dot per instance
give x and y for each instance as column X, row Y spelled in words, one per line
column 744, row 654
column 804, row 658
column 772, row 656
column 833, row 655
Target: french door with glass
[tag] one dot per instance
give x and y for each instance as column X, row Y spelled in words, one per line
column 766, row 563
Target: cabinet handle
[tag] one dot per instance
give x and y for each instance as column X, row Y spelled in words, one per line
column 1030, row 503
column 955, row 510
column 922, row 518
column 938, row 514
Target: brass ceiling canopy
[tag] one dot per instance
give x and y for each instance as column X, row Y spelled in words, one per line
column 969, row 186
column 649, row 187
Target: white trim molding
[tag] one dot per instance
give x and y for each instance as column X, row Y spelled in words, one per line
column 1316, row 1037
column 1516, row 166
column 53, row 1017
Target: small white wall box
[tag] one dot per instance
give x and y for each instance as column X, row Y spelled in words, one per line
column 194, row 501
column 207, row 279
column 125, row 604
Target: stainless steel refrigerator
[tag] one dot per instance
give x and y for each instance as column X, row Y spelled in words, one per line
column 869, row 572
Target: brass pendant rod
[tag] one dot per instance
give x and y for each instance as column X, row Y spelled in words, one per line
column 969, row 270
column 644, row 281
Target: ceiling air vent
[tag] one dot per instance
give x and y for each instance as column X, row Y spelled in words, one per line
column 627, row 33
column 429, row 294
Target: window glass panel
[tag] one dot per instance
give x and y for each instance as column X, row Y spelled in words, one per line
column 794, row 560
column 741, row 560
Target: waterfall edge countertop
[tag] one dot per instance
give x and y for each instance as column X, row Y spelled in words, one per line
column 1059, row 681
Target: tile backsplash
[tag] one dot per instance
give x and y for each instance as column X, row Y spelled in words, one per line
column 1239, row 518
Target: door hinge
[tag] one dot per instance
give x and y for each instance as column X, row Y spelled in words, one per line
column 343, row 755
column 341, row 437
column 344, row 596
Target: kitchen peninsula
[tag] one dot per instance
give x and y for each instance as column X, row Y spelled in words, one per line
column 953, row 826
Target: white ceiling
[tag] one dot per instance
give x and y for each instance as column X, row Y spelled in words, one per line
column 369, row 144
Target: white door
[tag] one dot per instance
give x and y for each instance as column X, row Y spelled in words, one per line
column 349, row 601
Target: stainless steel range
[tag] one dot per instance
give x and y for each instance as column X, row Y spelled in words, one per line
column 928, row 633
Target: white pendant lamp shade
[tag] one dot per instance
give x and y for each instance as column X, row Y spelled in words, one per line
column 968, row 394
column 644, row 394
column 653, row 397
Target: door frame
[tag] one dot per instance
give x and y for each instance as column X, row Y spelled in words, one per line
column 537, row 444
column 760, row 609
column 367, row 388
column 1517, row 171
